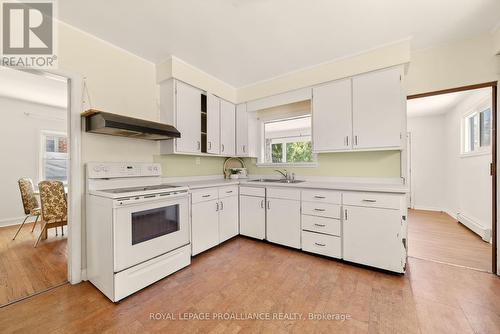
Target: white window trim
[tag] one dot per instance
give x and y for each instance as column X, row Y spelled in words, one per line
column 477, row 109
column 261, row 158
column 41, row 152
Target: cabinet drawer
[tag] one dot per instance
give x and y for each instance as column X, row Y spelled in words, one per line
column 321, row 209
column 228, row 191
column 321, row 244
column 322, row 196
column 203, row 195
column 320, row 224
column 253, row 191
column 373, row 200
column 283, row 193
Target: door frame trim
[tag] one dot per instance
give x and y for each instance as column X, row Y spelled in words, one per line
column 494, row 87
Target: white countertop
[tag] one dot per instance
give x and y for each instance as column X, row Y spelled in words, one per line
column 347, row 186
column 198, row 184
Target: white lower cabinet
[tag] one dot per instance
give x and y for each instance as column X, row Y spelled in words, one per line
column 253, row 216
column 214, row 217
column 374, row 237
column 228, row 218
column 204, row 225
column 283, row 221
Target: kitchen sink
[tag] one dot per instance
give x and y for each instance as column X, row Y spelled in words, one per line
column 277, row 180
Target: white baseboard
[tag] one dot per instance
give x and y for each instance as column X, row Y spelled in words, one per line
column 474, row 225
column 12, row 221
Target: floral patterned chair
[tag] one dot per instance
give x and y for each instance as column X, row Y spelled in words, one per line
column 30, row 203
column 54, row 206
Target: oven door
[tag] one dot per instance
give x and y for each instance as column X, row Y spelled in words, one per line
column 148, row 229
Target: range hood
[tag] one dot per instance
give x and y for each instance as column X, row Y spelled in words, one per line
column 97, row 121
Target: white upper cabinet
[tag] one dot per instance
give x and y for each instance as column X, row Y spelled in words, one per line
column 242, row 130
column 378, row 109
column 188, row 121
column 332, row 116
column 213, row 124
column 227, row 128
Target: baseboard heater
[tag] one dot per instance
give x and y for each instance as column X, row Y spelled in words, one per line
column 474, row 226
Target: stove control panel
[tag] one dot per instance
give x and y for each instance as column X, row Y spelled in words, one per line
column 106, row 170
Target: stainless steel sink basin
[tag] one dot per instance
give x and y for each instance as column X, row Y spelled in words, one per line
column 277, row 180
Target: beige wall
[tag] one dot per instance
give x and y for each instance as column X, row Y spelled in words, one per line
column 118, row 82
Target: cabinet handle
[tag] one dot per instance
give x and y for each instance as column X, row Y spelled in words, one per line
column 320, row 210
column 262, row 204
column 268, row 205
column 370, row 200
column 347, row 140
column 320, row 197
column 209, row 145
column 205, row 196
column 217, row 207
column 244, row 148
column 228, row 192
column 222, row 147
column 221, row 205
column 345, row 214
column 356, row 140
column 320, row 225
column 318, row 244
column 199, row 145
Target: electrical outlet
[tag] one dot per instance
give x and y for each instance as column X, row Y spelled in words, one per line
column 197, row 160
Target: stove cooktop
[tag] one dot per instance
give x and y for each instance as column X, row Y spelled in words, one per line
column 138, row 189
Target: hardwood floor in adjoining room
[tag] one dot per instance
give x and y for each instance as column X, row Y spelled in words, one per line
column 244, row 275
column 25, row 270
column 436, row 236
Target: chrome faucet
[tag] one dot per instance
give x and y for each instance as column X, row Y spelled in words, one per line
column 284, row 173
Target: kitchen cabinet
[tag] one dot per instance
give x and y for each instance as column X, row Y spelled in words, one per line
column 204, row 225
column 227, row 128
column 283, row 222
column 253, row 212
column 214, row 217
column 213, row 124
column 242, row 149
column 228, row 213
column 373, row 230
column 332, row 116
column 379, row 109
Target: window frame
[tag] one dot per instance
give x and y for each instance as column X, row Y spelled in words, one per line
column 261, row 161
column 464, row 130
column 42, row 151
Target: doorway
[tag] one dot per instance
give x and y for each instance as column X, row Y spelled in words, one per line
column 452, row 166
column 37, row 147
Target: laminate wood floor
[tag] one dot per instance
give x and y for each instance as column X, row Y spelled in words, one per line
column 25, row 270
column 436, row 236
column 244, row 275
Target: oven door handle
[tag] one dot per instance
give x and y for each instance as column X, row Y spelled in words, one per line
column 121, row 202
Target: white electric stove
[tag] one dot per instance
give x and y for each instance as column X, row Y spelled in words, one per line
column 137, row 227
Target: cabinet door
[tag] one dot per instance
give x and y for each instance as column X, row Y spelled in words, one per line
column 204, row 225
column 332, row 116
column 188, row 118
column 241, row 130
column 378, row 109
column 228, row 218
column 253, row 217
column 283, row 222
column 213, row 124
column 227, row 128
column 372, row 236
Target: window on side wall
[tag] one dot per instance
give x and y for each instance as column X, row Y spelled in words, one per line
column 477, row 131
column 288, row 141
column 54, row 156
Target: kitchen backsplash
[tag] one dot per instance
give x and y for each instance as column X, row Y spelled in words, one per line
column 384, row 164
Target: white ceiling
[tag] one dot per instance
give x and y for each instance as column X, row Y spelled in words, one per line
column 440, row 104
column 31, row 87
column 245, row 41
